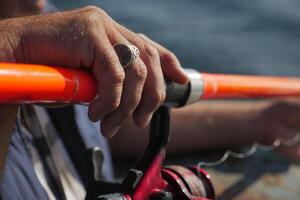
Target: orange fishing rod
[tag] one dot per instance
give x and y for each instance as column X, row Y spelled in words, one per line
column 26, row 83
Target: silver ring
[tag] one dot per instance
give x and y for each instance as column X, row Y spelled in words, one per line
column 127, row 53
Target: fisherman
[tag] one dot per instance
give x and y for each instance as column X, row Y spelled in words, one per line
column 41, row 160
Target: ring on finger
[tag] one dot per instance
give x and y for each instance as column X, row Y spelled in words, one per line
column 127, row 53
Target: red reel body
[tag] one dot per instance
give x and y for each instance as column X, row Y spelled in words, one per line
column 189, row 183
column 148, row 180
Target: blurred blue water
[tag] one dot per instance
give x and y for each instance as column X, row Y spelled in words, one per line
column 229, row 36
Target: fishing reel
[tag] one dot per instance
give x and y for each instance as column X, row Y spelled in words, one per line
column 148, row 179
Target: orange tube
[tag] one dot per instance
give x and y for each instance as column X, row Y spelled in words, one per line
column 218, row 86
column 24, row 83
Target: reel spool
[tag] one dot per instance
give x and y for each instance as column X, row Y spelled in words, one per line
column 188, row 183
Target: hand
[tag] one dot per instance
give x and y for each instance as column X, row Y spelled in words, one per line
column 281, row 119
column 84, row 38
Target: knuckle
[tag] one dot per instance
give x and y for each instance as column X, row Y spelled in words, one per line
column 128, row 110
column 151, row 51
column 92, row 16
column 161, row 96
column 140, row 71
column 110, row 59
column 114, row 104
column 170, row 56
column 125, row 113
column 158, row 97
column 142, row 35
column 117, row 76
column 93, row 9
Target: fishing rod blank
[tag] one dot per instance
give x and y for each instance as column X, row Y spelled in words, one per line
column 27, row 83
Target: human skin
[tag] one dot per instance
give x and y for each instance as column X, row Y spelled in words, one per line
column 83, row 38
column 220, row 125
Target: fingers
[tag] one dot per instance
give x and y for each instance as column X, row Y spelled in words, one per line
column 171, row 67
column 124, row 95
column 278, row 132
column 110, row 76
column 290, row 113
column 286, row 111
column 280, row 119
column 132, row 91
column 138, row 91
column 137, row 98
column 154, row 89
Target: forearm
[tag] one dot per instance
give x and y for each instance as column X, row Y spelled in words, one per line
column 211, row 125
column 205, row 125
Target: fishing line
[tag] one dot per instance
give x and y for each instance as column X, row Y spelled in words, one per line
column 253, row 149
